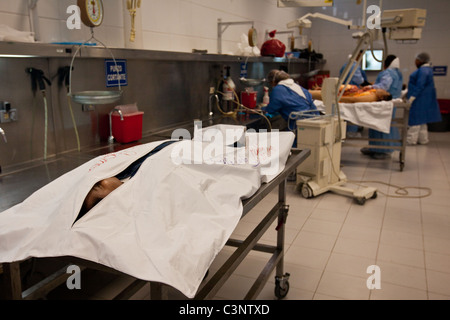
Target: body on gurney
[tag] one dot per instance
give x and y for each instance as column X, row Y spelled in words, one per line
column 354, row 94
column 165, row 224
column 371, row 108
column 105, row 186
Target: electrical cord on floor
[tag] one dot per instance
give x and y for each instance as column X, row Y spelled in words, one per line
column 401, row 192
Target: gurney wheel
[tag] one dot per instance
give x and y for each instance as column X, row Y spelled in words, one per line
column 280, row 292
column 360, row 200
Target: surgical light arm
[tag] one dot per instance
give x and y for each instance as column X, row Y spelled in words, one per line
column 355, row 59
column 304, row 22
column 345, row 78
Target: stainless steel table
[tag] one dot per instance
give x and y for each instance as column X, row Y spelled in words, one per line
column 12, row 273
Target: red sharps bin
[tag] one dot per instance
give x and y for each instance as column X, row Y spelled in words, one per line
column 248, row 98
column 126, row 122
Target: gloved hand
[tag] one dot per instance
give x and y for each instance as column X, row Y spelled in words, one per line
column 411, row 100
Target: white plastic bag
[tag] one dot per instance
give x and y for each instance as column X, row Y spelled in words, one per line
column 9, row 34
column 244, row 48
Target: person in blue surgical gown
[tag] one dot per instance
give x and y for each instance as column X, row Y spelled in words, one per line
column 359, row 78
column 391, row 80
column 423, row 99
column 287, row 97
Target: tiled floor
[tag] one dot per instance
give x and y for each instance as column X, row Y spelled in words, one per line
column 331, row 240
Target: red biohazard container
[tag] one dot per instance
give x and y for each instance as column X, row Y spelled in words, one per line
column 248, row 99
column 129, row 129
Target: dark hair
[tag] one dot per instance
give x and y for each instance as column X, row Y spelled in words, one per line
column 389, row 60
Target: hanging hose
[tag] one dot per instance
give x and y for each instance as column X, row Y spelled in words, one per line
column 237, row 102
column 33, row 117
column 45, row 125
column 73, row 121
column 64, row 77
column 38, row 79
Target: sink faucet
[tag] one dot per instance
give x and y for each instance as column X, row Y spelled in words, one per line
column 210, row 115
column 111, row 138
column 2, row 132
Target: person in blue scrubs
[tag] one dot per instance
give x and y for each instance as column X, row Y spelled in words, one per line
column 359, row 78
column 391, row 80
column 422, row 96
column 287, row 97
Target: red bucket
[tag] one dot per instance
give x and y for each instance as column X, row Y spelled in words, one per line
column 248, row 99
column 444, row 105
column 129, row 129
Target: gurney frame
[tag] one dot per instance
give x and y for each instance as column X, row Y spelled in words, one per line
column 12, row 275
column 400, row 121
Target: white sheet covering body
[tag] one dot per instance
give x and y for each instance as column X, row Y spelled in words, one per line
column 373, row 115
column 165, row 224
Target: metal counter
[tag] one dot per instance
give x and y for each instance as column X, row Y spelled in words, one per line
column 169, row 87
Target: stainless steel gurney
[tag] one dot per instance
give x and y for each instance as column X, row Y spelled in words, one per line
column 12, row 275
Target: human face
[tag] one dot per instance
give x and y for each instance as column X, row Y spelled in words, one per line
column 100, row 190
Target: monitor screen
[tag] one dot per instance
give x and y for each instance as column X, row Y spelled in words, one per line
column 369, row 63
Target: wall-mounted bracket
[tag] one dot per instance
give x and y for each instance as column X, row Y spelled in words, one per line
column 222, row 26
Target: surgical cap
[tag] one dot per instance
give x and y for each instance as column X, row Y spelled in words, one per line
column 423, row 57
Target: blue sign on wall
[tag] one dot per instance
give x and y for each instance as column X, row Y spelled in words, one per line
column 244, row 70
column 116, row 72
column 440, row 71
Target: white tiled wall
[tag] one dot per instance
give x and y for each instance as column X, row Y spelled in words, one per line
column 180, row 25
column 183, row 25
column 169, row 25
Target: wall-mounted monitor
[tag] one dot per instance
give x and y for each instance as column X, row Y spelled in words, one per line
column 371, row 64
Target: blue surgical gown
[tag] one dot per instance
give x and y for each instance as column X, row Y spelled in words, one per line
column 285, row 101
column 390, row 80
column 358, row 78
column 425, row 108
